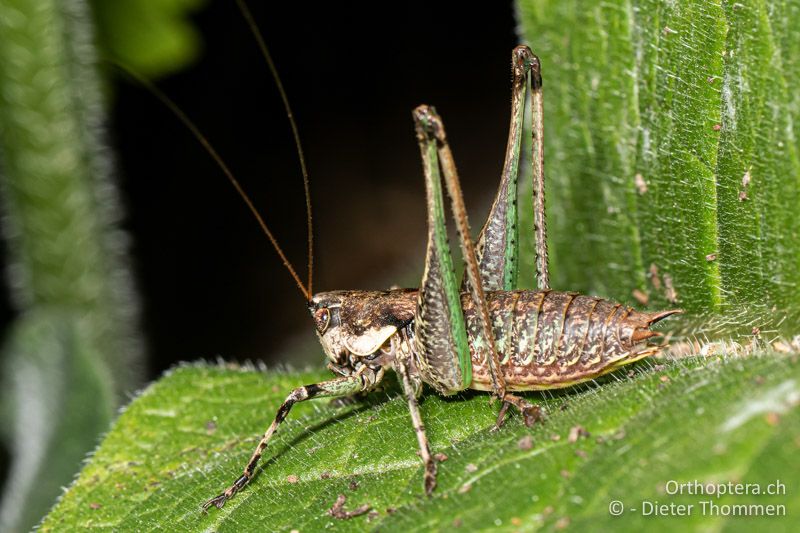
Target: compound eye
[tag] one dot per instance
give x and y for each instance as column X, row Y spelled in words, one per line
column 322, row 317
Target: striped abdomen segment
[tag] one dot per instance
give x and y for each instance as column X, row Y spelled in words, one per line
column 552, row 339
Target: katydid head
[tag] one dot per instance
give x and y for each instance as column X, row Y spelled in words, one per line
column 360, row 324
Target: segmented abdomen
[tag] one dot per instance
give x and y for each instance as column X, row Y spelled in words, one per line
column 553, row 339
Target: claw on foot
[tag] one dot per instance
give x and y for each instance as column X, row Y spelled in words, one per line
column 530, row 413
column 217, row 501
column 501, row 416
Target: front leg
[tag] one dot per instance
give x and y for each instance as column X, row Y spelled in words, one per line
column 334, row 388
column 411, row 388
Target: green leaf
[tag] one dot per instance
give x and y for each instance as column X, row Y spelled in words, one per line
column 58, row 401
column 672, row 157
column 152, row 37
column 186, row 437
column 73, row 350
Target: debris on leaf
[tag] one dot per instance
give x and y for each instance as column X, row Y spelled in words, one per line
column 653, row 275
column 337, row 511
column 745, row 184
column 641, row 185
column 576, row 432
column 525, row 443
column 640, row 296
column 670, row 293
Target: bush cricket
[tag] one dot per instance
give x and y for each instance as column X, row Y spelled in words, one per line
column 480, row 333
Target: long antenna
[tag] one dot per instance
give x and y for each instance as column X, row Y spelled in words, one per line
column 268, row 58
column 214, row 155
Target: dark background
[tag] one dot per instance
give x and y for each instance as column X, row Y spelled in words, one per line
column 210, row 282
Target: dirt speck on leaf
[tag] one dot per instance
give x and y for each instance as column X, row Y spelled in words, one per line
column 577, row 432
column 670, row 293
column 773, row 419
column 654, row 278
column 337, row 511
column 640, row 296
column 745, row 184
column 525, row 443
column 641, row 185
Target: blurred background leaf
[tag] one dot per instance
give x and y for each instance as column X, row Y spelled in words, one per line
column 74, row 351
column 152, row 37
